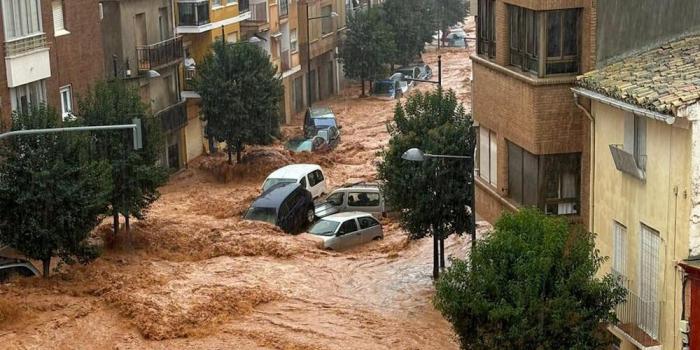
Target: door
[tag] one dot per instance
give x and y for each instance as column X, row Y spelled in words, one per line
column 348, row 234
column 369, row 228
column 140, row 34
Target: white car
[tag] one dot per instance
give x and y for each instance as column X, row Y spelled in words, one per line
column 344, row 230
column 362, row 197
column 310, row 176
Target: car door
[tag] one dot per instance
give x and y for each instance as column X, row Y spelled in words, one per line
column 369, row 228
column 348, row 234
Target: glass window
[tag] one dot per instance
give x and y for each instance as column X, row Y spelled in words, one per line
column 488, row 155
column 324, row 228
column 202, row 13
column 327, row 20
column 25, row 96
column 21, row 18
column 303, row 182
column 486, row 27
column 524, row 44
column 619, row 255
column 262, row 214
column 284, row 7
column 293, row 41
column 367, row 222
column 66, row 102
column 336, row 198
column 186, row 12
column 349, row 226
column 363, row 199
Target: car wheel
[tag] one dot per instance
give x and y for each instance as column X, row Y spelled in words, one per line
column 310, row 216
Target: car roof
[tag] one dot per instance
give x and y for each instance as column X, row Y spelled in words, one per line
column 275, row 195
column 321, row 112
column 293, row 171
column 358, row 188
column 10, row 262
column 340, row 217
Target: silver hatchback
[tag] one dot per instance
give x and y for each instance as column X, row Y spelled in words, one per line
column 344, row 230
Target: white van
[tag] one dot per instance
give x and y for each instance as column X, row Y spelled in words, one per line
column 310, row 176
column 360, row 197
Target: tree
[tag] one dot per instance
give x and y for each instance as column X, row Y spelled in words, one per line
column 412, row 22
column 368, row 46
column 241, row 95
column 51, row 193
column 135, row 174
column 530, row 285
column 431, row 196
column 449, row 13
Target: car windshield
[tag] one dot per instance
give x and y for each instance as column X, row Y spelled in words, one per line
column 271, row 182
column 383, row 87
column 324, row 228
column 262, row 214
column 407, row 72
column 324, row 122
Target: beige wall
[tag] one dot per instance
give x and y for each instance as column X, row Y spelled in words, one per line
column 655, row 203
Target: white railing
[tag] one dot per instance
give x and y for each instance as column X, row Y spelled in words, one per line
column 637, row 313
column 26, row 44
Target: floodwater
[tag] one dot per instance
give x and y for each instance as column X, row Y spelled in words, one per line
column 198, row 277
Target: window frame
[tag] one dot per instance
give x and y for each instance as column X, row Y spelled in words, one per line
column 373, row 221
column 327, row 20
column 12, row 20
column 340, row 227
column 486, row 29
column 293, row 41
column 491, row 177
column 66, row 112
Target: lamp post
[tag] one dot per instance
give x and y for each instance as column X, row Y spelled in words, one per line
column 308, row 49
column 416, row 155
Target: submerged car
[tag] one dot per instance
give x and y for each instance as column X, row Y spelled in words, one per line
column 317, row 119
column 309, row 176
column 391, row 88
column 344, row 230
column 410, row 72
column 325, row 140
column 16, row 267
column 288, row 206
column 364, row 197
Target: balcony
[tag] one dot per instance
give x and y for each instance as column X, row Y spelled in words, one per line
column 284, row 8
column 640, row 321
column 160, row 54
column 173, row 117
column 27, row 60
column 194, row 17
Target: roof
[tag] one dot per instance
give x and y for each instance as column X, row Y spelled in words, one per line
column 346, row 215
column 293, row 171
column 661, row 80
column 275, row 195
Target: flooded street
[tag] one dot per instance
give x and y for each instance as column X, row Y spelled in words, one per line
column 198, row 277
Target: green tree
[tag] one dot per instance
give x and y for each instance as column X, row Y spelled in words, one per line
column 449, row 13
column 367, row 47
column 413, row 24
column 135, row 174
column 51, row 193
column 431, row 196
column 241, row 95
column 531, row 284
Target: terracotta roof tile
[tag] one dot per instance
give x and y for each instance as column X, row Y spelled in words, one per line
column 661, row 79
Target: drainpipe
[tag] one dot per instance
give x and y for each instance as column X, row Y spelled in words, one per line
column 591, row 200
column 692, row 113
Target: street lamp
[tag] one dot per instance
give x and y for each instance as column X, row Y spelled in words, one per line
column 308, row 49
column 416, row 155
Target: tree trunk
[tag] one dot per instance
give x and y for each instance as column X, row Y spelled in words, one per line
column 230, row 154
column 115, row 218
column 442, row 252
column 363, row 88
column 239, row 146
column 46, row 264
column 436, row 263
column 128, row 228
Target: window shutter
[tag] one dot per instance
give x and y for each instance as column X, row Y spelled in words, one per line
column 493, row 161
column 58, row 24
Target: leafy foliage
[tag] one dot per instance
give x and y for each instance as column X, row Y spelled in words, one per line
column 135, row 174
column 450, row 12
column 412, row 22
column 530, row 285
column 368, row 45
column 51, row 193
column 431, row 196
column 241, row 95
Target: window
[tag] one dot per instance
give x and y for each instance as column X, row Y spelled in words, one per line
column 367, row 222
column 293, row 41
column 59, row 25
column 363, row 199
column 347, row 227
column 303, row 182
column 215, row 3
column 66, row 102
column 312, row 179
column 557, row 31
column 486, row 27
column 488, row 155
column 327, row 20
column 21, row 18
column 549, row 182
column 619, row 255
column 336, row 199
column 163, row 26
column 284, row 7
column 635, row 138
column 193, row 13
column 25, row 96
column 649, row 277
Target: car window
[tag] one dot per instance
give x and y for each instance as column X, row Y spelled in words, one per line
column 312, row 179
column 367, row 222
column 349, row 226
column 319, row 175
column 336, row 198
column 363, row 199
column 303, row 182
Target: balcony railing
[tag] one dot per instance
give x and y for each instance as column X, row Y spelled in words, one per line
column 173, row 117
column 159, row 54
column 640, row 319
column 190, row 75
column 27, row 44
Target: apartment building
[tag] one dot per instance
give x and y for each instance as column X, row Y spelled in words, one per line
column 321, row 22
column 140, row 46
column 277, row 23
column 530, row 148
column 52, row 53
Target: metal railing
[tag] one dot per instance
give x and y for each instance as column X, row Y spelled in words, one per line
column 638, row 317
column 26, row 44
column 159, row 54
column 190, row 75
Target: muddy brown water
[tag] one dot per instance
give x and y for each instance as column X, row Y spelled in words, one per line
column 198, row 277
